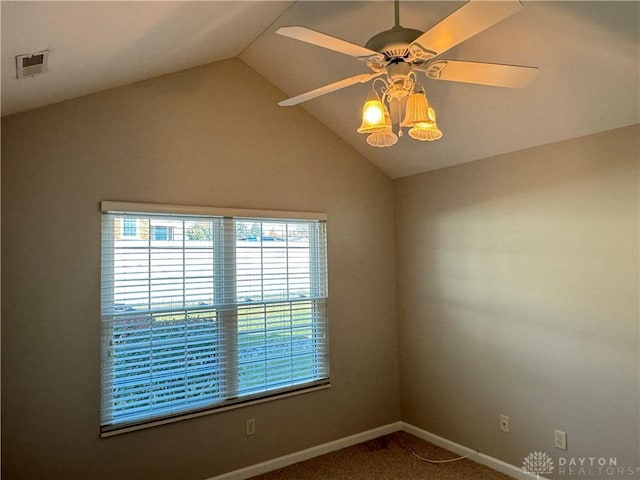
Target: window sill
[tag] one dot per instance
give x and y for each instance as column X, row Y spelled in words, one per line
column 223, row 408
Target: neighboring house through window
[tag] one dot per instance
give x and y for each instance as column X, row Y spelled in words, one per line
column 162, row 232
column 129, row 227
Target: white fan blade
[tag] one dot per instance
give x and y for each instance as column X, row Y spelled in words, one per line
column 494, row 74
column 470, row 19
column 332, row 87
column 327, row 41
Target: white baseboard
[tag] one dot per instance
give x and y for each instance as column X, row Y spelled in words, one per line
column 309, row 453
column 478, row 457
column 302, row 455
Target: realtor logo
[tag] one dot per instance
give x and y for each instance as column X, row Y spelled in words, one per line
column 538, row 463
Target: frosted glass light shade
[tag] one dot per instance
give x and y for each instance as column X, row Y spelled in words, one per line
column 373, row 117
column 425, row 134
column 432, row 115
column 416, row 110
column 426, row 131
column 384, row 138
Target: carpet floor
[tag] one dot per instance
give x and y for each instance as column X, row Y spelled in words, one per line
column 385, row 458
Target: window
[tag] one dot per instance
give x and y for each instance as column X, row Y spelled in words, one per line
column 162, row 232
column 129, row 227
column 208, row 311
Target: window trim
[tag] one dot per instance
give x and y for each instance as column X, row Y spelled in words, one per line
column 107, row 206
column 116, row 207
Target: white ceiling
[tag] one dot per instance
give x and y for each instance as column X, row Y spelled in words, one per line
column 588, row 54
column 99, row 45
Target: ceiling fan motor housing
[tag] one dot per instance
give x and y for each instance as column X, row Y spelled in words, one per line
column 398, row 71
column 393, row 43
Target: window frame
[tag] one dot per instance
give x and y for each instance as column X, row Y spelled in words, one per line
column 228, row 215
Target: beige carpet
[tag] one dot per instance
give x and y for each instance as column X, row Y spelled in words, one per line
column 385, row 458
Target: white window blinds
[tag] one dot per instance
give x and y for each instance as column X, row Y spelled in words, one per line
column 200, row 312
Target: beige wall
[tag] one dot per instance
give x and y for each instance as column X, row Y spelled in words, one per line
column 212, row 135
column 518, row 294
column 517, row 281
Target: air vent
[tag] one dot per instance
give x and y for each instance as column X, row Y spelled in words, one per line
column 31, row 64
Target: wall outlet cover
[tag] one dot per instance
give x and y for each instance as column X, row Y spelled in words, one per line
column 505, row 423
column 560, row 439
column 250, row 427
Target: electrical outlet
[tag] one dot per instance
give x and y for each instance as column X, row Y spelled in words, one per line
column 505, row 424
column 250, row 427
column 560, row 439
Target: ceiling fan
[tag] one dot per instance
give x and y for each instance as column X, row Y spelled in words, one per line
column 400, row 52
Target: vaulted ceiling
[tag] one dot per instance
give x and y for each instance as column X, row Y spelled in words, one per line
column 588, row 54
